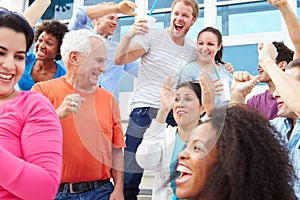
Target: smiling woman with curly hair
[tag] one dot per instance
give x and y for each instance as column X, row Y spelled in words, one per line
column 236, row 155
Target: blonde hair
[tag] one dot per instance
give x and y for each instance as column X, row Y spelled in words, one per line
column 192, row 3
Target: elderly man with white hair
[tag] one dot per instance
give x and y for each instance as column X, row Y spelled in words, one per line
column 90, row 119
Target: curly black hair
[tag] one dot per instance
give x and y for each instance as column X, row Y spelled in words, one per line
column 253, row 162
column 284, row 53
column 53, row 27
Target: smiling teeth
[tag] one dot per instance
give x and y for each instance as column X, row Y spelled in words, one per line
column 183, row 169
column 179, row 25
column 4, row 76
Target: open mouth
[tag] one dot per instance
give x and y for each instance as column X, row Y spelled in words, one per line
column 185, row 174
column 178, row 27
column 40, row 53
column 180, row 112
column 260, row 71
column 6, row 77
column 279, row 104
column 205, row 53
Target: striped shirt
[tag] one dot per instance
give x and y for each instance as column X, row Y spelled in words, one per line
column 163, row 58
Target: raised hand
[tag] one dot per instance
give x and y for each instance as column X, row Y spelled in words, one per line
column 277, row 3
column 139, row 27
column 167, row 94
column 266, row 51
column 207, row 92
column 126, row 8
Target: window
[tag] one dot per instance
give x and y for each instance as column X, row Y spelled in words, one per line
column 248, row 18
column 58, row 9
column 242, row 57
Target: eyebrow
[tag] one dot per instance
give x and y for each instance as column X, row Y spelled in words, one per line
column 186, row 94
column 48, row 38
column 5, row 49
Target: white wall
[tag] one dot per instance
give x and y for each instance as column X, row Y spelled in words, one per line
column 14, row 5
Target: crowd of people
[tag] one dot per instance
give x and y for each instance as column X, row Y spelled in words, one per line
column 61, row 135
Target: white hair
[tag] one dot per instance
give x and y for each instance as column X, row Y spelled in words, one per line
column 77, row 40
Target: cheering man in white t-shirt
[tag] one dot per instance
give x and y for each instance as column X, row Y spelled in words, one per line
column 162, row 53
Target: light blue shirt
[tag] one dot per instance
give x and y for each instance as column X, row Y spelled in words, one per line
column 284, row 125
column 26, row 82
column 191, row 72
column 179, row 146
column 111, row 78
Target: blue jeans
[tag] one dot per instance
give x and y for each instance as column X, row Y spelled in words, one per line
column 100, row 193
column 139, row 121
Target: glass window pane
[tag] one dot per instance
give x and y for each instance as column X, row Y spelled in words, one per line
column 298, row 9
column 162, row 21
column 242, row 57
column 197, row 27
column 160, row 4
column 126, row 83
column 94, row 2
column 58, row 9
column 163, row 3
column 248, row 18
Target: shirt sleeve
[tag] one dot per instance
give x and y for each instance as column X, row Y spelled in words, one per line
column 251, row 102
column 80, row 20
column 185, row 74
column 132, row 68
column 35, row 175
column 144, row 40
column 118, row 136
column 152, row 146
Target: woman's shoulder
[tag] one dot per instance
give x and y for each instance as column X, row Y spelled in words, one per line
column 32, row 99
column 191, row 67
column 30, row 57
column 60, row 69
column 224, row 73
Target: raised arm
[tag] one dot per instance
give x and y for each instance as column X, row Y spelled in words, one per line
column 105, row 8
column 293, row 25
column 35, row 11
column 167, row 99
column 127, row 52
column 287, row 86
column 154, row 139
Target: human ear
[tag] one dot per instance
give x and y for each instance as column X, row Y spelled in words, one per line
column 73, row 57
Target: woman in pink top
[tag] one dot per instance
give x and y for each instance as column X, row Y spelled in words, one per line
column 30, row 131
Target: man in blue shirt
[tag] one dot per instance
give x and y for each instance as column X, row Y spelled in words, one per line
column 91, row 18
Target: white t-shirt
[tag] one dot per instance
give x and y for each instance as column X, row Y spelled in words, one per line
column 163, row 58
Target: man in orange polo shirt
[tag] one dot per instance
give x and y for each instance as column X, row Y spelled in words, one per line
column 90, row 119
